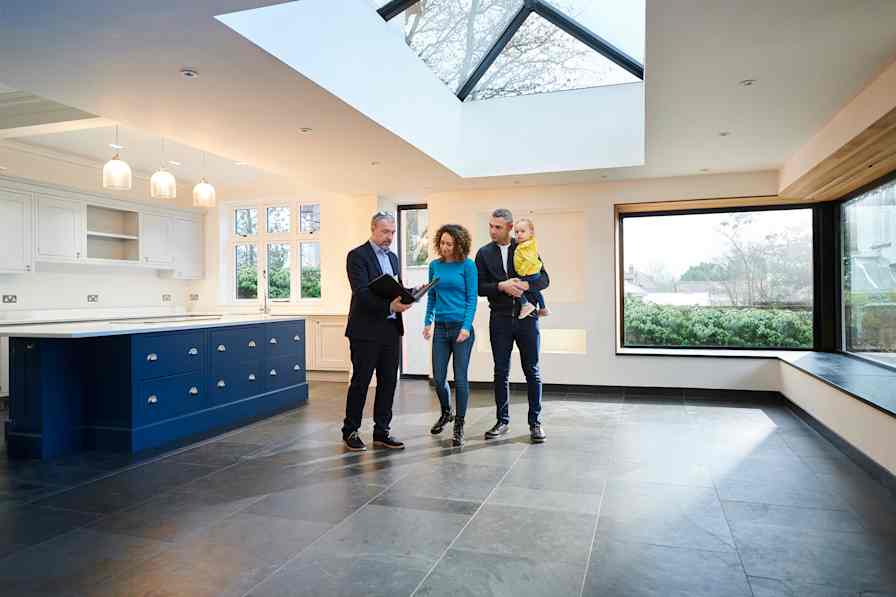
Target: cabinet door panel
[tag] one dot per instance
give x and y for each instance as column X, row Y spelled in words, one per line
column 59, row 229
column 15, row 232
column 155, row 239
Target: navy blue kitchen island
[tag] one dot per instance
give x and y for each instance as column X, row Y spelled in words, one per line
column 113, row 386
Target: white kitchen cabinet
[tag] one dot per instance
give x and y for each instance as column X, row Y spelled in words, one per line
column 155, row 239
column 189, row 248
column 15, row 232
column 331, row 349
column 60, row 229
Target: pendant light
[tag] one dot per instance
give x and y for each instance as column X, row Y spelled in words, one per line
column 162, row 185
column 203, row 192
column 116, row 173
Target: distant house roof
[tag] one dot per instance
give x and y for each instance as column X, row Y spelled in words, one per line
column 634, row 289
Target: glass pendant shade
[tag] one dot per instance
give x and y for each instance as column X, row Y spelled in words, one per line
column 117, row 175
column 203, row 194
column 162, row 185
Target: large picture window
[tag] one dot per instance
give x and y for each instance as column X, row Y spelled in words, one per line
column 732, row 279
column 868, row 247
column 276, row 256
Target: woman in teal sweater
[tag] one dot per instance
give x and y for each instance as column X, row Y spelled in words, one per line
column 451, row 305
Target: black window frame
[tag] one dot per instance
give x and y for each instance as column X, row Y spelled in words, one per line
column 837, row 205
column 822, row 297
column 545, row 10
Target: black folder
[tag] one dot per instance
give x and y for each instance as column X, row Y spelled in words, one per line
column 388, row 287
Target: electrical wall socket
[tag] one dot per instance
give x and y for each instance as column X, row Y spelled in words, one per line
column 166, row 298
column 8, row 299
column 194, row 297
column 93, row 298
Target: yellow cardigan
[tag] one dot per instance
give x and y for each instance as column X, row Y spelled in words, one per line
column 525, row 258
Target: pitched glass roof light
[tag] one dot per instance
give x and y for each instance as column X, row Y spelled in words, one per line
column 540, row 58
column 496, row 48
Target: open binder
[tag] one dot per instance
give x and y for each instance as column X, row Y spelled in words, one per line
column 388, row 287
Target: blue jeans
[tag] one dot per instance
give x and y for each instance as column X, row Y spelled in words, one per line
column 504, row 330
column 444, row 344
column 532, row 296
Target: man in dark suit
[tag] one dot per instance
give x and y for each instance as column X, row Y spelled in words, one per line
column 374, row 332
column 498, row 281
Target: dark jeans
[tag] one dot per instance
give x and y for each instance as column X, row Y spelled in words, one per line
column 368, row 356
column 504, row 330
column 444, row 344
column 532, row 296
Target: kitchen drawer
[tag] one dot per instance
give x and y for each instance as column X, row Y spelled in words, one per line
column 286, row 338
column 170, row 353
column 161, row 399
column 235, row 345
column 285, row 371
column 237, row 382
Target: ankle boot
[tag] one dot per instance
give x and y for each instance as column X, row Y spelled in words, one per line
column 458, row 439
column 446, row 418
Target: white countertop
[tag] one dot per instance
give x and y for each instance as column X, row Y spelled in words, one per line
column 136, row 325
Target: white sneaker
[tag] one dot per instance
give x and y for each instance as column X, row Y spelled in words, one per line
column 526, row 310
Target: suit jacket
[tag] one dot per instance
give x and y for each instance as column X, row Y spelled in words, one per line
column 492, row 271
column 368, row 315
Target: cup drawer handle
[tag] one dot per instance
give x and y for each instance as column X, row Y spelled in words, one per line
column 222, row 348
column 273, row 373
column 152, row 357
column 194, row 391
column 222, row 383
column 272, row 341
column 251, row 343
column 193, row 351
column 153, row 399
column 296, row 368
column 251, row 377
column 296, row 338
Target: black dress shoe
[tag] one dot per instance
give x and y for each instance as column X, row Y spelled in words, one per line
column 446, row 418
column 536, row 433
column 354, row 443
column 499, row 429
column 388, row 442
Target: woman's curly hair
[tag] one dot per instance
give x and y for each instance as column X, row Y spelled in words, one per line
column 462, row 240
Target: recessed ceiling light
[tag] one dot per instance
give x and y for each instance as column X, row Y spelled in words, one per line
column 174, row 162
column 116, row 146
column 305, row 130
column 189, row 73
column 725, row 133
column 241, row 163
column 747, row 82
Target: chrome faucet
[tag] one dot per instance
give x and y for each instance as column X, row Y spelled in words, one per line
column 267, row 308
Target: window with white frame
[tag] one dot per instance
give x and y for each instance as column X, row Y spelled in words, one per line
column 279, row 256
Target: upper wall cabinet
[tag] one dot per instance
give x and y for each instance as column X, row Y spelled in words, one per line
column 60, row 231
column 189, row 248
column 155, row 239
column 15, row 232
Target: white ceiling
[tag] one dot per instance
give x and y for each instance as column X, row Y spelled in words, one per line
column 122, row 61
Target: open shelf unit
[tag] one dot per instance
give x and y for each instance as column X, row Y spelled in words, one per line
column 112, row 234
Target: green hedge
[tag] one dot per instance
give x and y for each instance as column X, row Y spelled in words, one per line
column 647, row 324
column 247, row 283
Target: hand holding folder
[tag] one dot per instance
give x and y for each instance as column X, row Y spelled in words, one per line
column 388, row 288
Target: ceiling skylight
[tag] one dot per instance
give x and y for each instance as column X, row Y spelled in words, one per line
column 498, row 48
column 541, row 58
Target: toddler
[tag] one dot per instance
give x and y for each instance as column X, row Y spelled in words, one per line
column 528, row 267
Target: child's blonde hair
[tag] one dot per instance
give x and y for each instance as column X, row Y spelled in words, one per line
column 528, row 221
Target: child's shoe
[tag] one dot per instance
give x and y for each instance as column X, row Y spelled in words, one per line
column 526, row 310
column 544, row 312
